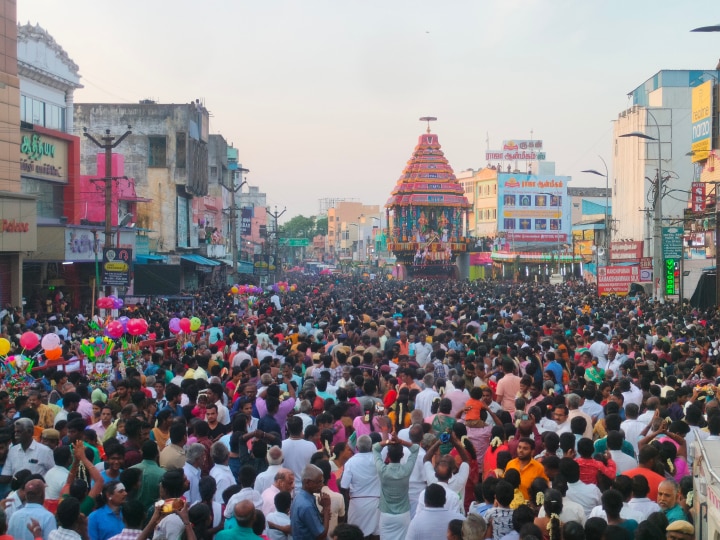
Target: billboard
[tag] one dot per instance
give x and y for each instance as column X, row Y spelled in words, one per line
column 534, row 208
column 701, row 117
column 626, row 251
column 617, row 279
column 246, row 215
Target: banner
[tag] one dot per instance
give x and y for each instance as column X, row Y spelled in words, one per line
column 701, row 117
column 630, row 251
column 533, row 208
column 246, row 215
column 116, row 266
column 697, row 196
column 616, row 279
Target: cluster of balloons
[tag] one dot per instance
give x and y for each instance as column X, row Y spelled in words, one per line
column 283, row 287
column 110, row 302
column 97, row 346
column 245, row 289
column 52, row 346
column 184, row 325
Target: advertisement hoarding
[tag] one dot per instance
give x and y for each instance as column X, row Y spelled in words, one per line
column 628, row 251
column 534, row 208
column 616, row 279
column 701, row 117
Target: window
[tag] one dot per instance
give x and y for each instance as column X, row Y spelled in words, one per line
column 38, row 112
column 180, row 150
column 213, row 172
column 494, row 214
column 157, row 147
column 50, row 199
column 34, row 111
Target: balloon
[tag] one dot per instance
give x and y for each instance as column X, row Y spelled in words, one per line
column 174, row 325
column 118, row 303
column 185, row 324
column 152, row 336
column 135, row 327
column 234, row 289
column 53, row 354
column 115, row 329
column 124, row 320
column 50, row 341
column 104, row 302
column 4, row 346
column 29, row 340
column 195, row 324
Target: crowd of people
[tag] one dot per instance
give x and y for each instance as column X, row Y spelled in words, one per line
column 350, row 409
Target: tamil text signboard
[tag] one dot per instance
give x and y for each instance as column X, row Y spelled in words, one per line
column 616, row 279
column 629, row 251
column 672, row 242
column 533, row 208
column 116, row 266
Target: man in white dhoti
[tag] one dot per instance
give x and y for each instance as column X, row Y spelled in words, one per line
column 361, row 479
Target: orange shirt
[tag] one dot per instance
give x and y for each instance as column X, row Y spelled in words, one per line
column 528, row 473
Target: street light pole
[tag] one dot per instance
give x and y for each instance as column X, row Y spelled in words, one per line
column 607, row 206
column 658, row 261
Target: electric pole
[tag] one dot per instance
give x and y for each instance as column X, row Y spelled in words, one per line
column 108, row 146
column 233, row 215
column 276, row 215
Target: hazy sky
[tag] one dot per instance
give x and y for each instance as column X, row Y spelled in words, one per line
column 322, row 97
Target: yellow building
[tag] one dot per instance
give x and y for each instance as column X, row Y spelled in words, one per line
column 350, row 229
column 481, row 190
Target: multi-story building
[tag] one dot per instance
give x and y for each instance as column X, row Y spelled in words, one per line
column 256, row 222
column 589, row 214
column 661, row 110
column 18, row 232
column 351, row 229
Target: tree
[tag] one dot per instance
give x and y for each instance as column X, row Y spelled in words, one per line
column 298, row 227
column 321, row 225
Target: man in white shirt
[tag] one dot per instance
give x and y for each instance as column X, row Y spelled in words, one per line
column 424, row 399
column 423, row 350
column 442, row 473
column 284, row 481
column 194, row 461
column 222, row 474
column 640, row 502
column 586, row 495
column 296, row 450
column 27, row 453
column 599, row 350
column 241, row 356
column 360, row 478
column 622, row 461
column 632, row 427
column 275, row 462
column 432, row 521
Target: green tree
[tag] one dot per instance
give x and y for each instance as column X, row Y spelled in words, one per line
column 321, row 225
column 298, row 227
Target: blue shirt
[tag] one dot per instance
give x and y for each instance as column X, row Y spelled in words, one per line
column 103, row 523
column 307, row 524
column 17, row 526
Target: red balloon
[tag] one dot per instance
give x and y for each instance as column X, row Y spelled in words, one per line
column 29, row 340
column 115, row 329
column 185, row 324
column 135, row 327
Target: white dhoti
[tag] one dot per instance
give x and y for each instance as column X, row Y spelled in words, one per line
column 364, row 512
column 394, row 526
column 416, row 488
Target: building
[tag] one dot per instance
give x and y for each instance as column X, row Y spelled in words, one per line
column 661, row 109
column 257, row 225
column 481, row 191
column 351, row 229
column 589, row 215
column 50, row 167
column 18, row 213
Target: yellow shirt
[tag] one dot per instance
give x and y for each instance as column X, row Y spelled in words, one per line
column 528, row 473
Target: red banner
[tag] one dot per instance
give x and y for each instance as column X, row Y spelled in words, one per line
column 616, row 279
column 697, row 196
column 631, row 251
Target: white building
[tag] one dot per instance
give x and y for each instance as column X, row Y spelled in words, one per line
column 665, row 98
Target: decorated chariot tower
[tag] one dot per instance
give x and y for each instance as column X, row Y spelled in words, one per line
column 427, row 213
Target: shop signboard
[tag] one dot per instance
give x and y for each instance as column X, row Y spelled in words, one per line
column 617, row 279
column 534, row 208
column 701, row 118
column 43, row 156
column 116, row 266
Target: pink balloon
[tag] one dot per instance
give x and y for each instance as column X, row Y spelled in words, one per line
column 115, row 329
column 174, row 325
column 50, row 341
column 185, row 324
column 29, row 340
column 135, row 327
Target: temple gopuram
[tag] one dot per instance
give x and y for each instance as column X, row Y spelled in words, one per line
column 427, row 214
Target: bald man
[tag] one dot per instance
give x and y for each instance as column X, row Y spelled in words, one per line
column 284, row 481
column 33, row 509
column 244, row 515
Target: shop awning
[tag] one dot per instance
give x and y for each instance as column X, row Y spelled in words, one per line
column 199, row 259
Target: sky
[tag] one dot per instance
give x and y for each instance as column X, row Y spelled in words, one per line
column 322, row 97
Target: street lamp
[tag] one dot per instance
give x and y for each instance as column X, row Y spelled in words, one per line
column 607, row 205
column 658, row 262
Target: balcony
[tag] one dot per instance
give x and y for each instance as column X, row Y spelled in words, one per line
column 213, row 251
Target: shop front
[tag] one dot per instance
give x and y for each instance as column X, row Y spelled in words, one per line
column 18, row 236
